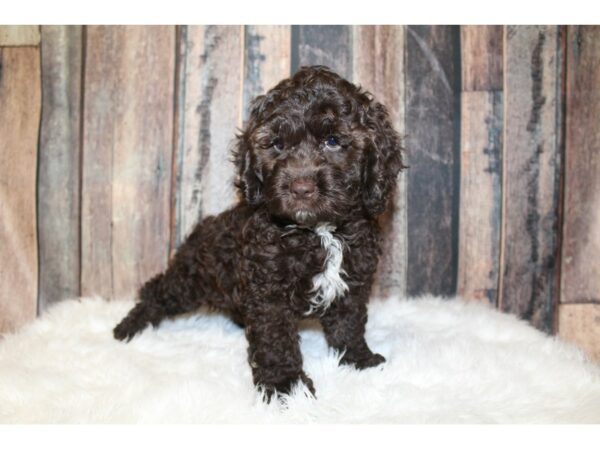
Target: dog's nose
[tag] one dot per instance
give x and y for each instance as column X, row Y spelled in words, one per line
column 303, row 188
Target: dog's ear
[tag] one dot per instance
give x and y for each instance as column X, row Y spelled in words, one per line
column 383, row 159
column 248, row 181
column 249, row 176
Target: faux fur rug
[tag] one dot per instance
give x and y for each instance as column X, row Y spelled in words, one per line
column 447, row 362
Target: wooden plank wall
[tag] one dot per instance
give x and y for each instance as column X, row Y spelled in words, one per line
column 532, row 163
column 432, row 71
column 381, row 72
column 579, row 314
column 127, row 155
column 212, row 58
column 481, row 162
column 58, row 199
column 20, row 100
column 132, row 148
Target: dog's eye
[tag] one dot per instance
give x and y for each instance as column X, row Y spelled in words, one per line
column 277, row 145
column 332, row 143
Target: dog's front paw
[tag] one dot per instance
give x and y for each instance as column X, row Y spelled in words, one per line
column 363, row 361
column 284, row 387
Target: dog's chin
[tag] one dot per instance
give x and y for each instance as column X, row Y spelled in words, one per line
column 304, row 217
column 302, row 213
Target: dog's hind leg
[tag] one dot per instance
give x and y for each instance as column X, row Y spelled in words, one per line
column 165, row 295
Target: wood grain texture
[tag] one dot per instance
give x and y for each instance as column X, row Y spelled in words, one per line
column 481, row 57
column 19, row 35
column 210, row 113
column 480, row 196
column 581, row 232
column 329, row 45
column 433, row 147
column 480, row 215
column 20, row 97
column 127, row 154
column 532, row 155
column 59, row 165
column 267, row 59
column 381, row 71
column 580, row 324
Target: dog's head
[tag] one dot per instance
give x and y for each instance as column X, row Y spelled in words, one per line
column 316, row 148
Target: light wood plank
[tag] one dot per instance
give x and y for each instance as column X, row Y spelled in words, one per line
column 19, row 35
column 581, row 233
column 379, row 68
column 210, row 113
column 480, row 196
column 267, row 59
column 580, row 324
column 127, row 155
column 481, row 54
column 481, row 162
column 20, row 97
column 59, row 164
column 433, row 149
column 532, row 155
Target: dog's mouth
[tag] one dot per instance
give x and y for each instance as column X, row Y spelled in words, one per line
column 298, row 212
column 305, row 217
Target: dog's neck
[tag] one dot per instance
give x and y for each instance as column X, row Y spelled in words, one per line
column 327, row 285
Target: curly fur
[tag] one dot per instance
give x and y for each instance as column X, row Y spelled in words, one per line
column 317, row 162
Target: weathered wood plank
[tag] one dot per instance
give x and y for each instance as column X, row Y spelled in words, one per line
column 329, row 45
column 20, row 97
column 433, row 148
column 379, row 68
column 532, row 155
column 481, row 162
column 59, row 165
column 580, row 324
column 481, row 55
column 267, row 59
column 480, row 196
column 19, row 35
column 210, row 112
column 127, row 154
column 581, row 232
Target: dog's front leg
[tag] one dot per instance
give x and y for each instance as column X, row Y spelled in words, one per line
column 274, row 349
column 344, row 326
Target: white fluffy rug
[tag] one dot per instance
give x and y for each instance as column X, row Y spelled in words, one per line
column 447, row 362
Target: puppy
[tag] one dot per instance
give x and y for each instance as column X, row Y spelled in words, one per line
column 316, row 162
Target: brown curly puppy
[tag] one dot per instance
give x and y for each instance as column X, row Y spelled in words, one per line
column 317, row 162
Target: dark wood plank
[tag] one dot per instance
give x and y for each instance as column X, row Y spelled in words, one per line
column 580, row 324
column 19, row 35
column 480, row 196
column 379, row 68
column 481, row 54
column 210, row 112
column 127, row 155
column 329, row 45
column 20, row 97
column 581, row 233
column 433, row 148
column 532, row 155
column 59, row 165
column 267, row 59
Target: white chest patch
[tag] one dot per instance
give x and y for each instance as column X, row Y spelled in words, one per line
column 328, row 285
